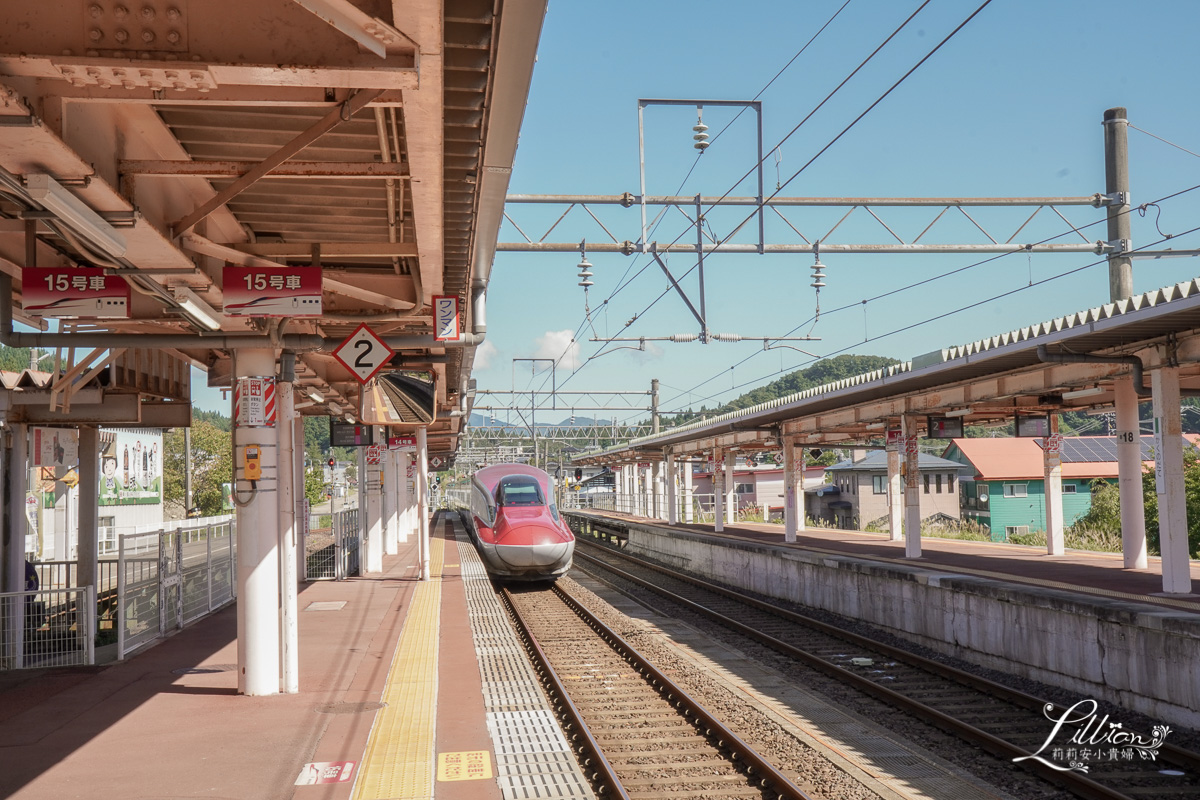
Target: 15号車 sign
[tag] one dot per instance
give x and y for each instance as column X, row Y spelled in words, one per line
column 271, row 291
column 73, row 292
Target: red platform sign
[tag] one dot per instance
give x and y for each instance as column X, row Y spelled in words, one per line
column 272, row 291
column 73, row 292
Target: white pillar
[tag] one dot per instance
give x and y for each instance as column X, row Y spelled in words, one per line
column 793, row 489
column 660, row 490
column 912, row 488
column 391, row 544
column 423, row 499
column 17, row 473
column 288, row 529
column 408, row 488
column 688, row 508
column 89, row 501
column 257, row 544
column 1129, row 472
column 1052, row 474
column 370, row 493
column 1168, row 482
column 299, row 475
column 718, row 481
column 731, row 504
column 672, row 489
column 895, row 493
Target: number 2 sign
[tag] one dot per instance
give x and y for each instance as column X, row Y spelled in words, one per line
column 363, row 353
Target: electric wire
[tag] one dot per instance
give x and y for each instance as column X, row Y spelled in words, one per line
column 935, row 318
column 949, row 273
column 791, row 133
column 621, row 283
column 1161, row 139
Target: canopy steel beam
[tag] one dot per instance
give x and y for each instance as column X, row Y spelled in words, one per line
column 339, row 114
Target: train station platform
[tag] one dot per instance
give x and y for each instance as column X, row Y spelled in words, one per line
column 391, row 704
column 1079, row 621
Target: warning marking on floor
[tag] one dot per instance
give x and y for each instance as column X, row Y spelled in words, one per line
column 325, row 772
column 470, row 765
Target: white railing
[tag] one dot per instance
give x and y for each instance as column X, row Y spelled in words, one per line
column 47, row 628
column 168, row 579
column 333, row 553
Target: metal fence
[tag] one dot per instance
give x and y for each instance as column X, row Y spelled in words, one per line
column 47, row 628
column 167, row 579
column 332, row 553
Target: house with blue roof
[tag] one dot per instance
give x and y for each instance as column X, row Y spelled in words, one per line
column 857, row 492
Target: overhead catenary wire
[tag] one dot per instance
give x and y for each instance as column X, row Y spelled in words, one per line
column 787, row 136
column 926, row 321
column 622, row 283
column 949, row 273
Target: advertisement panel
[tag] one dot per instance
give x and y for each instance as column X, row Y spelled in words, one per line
column 54, row 447
column 131, row 469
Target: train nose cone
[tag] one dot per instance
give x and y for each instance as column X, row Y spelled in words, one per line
column 539, row 548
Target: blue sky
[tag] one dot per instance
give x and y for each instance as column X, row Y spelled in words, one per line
column 1010, row 106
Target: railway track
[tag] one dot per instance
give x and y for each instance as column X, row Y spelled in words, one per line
column 636, row 733
column 1003, row 721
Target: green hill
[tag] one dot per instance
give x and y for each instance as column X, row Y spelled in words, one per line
column 822, row 372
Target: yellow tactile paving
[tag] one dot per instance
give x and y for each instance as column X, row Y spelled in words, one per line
column 398, row 763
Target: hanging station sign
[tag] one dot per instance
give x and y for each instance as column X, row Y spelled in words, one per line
column 363, row 353
column 73, row 293
column 402, row 443
column 445, row 318
column 271, row 291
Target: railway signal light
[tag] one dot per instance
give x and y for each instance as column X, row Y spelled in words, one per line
column 331, row 463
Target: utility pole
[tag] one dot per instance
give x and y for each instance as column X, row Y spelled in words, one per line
column 1116, row 185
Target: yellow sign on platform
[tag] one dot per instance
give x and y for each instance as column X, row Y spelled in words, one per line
column 471, row 765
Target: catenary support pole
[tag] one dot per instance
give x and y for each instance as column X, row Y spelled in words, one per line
column 257, row 541
column 1116, row 185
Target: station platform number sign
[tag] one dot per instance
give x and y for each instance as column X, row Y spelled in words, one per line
column 364, row 353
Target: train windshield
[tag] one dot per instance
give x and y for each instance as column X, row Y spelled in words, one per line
column 519, row 490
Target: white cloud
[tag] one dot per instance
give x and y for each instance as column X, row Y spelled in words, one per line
column 484, row 354
column 560, row 346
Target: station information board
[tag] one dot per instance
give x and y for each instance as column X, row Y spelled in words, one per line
column 347, row 434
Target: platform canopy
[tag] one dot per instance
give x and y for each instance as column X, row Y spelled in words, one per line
column 164, row 141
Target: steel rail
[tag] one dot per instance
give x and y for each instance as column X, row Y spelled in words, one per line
column 1075, row 783
column 1179, row 756
column 585, row 743
column 755, row 765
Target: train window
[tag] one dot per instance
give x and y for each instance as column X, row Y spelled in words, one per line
column 519, row 490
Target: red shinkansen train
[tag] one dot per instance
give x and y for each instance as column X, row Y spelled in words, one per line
column 515, row 524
